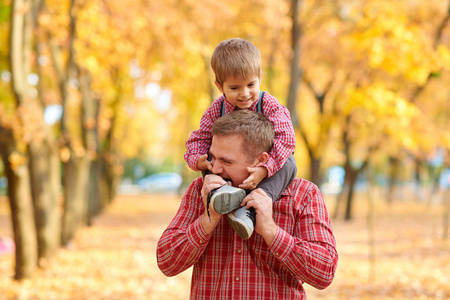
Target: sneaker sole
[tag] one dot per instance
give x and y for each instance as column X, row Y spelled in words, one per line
column 240, row 227
column 224, row 203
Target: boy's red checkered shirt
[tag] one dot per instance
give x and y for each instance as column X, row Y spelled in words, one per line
column 199, row 142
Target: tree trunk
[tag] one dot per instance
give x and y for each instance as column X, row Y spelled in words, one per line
column 45, row 177
column 44, row 170
column 371, row 226
column 89, row 117
column 339, row 198
column 75, row 179
column 315, row 172
column 77, row 165
column 110, row 181
column 23, row 19
column 394, row 165
column 353, row 175
column 94, row 191
column 446, row 215
column 295, row 72
column 435, row 175
column 418, row 179
column 21, row 205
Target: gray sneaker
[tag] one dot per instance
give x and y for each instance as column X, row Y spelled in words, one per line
column 242, row 220
column 226, row 199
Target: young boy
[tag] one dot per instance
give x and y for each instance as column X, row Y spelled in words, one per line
column 237, row 67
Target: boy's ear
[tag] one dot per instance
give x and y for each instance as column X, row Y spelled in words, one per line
column 219, row 86
column 262, row 159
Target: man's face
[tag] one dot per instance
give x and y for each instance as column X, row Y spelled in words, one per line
column 229, row 160
column 241, row 92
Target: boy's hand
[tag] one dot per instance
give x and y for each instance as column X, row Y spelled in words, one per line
column 257, row 174
column 203, row 164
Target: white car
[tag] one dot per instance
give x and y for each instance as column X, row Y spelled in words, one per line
column 161, row 182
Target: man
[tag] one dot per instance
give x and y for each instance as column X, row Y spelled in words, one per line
column 294, row 241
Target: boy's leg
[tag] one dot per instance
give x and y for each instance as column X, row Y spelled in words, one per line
column 242, row 220
column 276, row 184
column 225, row 198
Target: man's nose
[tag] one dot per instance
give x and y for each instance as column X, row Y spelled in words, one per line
column 216, row 167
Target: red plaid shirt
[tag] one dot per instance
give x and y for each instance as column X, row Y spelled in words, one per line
column 227, row 267
column 284, row 144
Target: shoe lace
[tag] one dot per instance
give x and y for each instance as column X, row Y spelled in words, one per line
column 208, row 200
column 251, row 214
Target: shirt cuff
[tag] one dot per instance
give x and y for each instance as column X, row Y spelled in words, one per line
column 197, row 235
column 270, row 166
column 193, row 159
column 282, row 244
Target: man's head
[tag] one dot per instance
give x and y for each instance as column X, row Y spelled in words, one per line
column 237, row 66
column 241, row 139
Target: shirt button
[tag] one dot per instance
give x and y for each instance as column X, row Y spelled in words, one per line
column 239, row 251
column 237, row 278
column 202, row 241
column 276, row 253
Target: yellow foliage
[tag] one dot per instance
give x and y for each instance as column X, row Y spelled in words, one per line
column 64, row 153
column 380, row 115
column 444, row 57
column 393, row 43
column 374, row 52
column 17, row 159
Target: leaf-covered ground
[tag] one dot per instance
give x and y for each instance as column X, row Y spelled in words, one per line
column 115, row 258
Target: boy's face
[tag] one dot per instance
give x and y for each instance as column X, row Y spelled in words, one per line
column 241, row 92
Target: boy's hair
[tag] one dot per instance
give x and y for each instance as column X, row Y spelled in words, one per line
column 237, row 58
column 255, row 128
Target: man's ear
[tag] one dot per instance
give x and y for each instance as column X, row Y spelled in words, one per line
column 262, row 159
column 219, row 86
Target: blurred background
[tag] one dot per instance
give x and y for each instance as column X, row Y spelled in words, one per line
column 97, row 100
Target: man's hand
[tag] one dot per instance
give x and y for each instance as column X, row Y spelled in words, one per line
column 203, row 164
column 257, row 174
column 265, row 225
column 210, row 183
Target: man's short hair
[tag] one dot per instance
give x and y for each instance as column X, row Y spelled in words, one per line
column 236, row 58
column 254, row 127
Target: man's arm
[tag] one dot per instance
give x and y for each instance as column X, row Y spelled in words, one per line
column 187, row 236
column 310, row 255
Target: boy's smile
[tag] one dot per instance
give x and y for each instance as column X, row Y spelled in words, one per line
column 241, row 92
